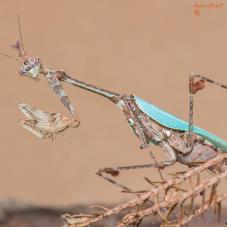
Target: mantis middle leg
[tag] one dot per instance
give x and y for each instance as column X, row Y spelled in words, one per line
column 194, row 87
column 115, row 171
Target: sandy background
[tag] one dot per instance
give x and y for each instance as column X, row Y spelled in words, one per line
column 143, row 47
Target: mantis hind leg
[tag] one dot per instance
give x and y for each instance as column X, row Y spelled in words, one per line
column 115, row 171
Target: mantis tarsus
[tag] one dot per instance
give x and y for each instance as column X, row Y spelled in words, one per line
column 181, row 141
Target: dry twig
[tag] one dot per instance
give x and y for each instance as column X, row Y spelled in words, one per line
column 169, row 200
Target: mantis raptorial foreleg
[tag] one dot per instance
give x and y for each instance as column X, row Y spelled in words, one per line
column 115, row 171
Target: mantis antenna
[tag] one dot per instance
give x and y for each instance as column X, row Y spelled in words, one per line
column 20, row 34
column 22, row 44
column 8, row 56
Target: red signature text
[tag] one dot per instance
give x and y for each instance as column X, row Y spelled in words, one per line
column 201, row 6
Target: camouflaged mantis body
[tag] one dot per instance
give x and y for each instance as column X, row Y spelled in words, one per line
column 173, row 142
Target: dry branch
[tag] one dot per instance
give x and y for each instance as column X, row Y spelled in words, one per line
column 168, row 200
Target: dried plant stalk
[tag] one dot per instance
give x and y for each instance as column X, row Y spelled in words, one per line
column 201, row 210
column 169, row 202
column 166, row 199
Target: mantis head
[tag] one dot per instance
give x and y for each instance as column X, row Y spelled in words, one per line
column 31, row 67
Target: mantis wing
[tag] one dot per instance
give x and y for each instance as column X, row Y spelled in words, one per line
column 170, row 121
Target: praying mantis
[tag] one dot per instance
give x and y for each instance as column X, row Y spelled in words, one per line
column 180, row 140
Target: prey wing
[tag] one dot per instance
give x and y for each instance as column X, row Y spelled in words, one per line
column 39, row 129
column 43, row 124
column 34, row 113
column 38, row 122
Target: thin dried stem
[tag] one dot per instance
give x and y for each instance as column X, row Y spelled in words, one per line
column 131, row 218
column 169, row 201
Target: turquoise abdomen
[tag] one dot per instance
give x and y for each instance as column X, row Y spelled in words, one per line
column 171, row 121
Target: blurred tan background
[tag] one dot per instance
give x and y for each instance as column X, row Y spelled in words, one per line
column 147, row 48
